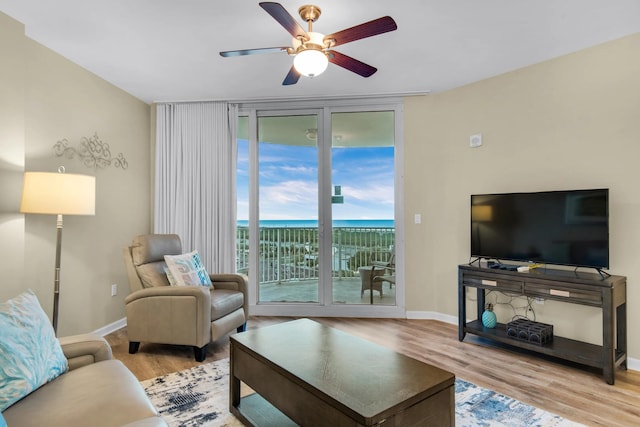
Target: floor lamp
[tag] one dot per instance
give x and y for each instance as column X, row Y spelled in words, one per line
column 58, row 194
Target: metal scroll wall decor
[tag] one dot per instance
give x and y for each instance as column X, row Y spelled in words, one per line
column 93, row 152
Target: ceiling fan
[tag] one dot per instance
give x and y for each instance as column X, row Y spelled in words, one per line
column 313, row 51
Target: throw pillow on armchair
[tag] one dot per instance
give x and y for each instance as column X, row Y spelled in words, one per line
column 186, row 270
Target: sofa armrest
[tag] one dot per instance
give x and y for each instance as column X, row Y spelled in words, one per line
column 235, row 282
column 85, row 349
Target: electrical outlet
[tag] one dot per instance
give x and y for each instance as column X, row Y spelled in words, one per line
column 539, row 301
column 114, row 290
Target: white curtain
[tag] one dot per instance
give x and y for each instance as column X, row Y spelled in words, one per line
column 195, row 190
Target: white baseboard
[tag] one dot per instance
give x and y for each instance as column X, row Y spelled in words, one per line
column 432, row 315
column 112, row 327
column 632, row 364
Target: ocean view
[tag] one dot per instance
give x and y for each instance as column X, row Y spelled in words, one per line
column 308, row 223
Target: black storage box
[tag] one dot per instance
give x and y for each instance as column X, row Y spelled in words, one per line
column 530, row 331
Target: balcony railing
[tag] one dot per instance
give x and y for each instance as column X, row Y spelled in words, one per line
column 291, row 254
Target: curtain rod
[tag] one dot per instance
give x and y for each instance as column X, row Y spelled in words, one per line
column 303, row 98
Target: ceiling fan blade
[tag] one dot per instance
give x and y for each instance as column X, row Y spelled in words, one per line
column 285, row 19
column 292, row 77
column 244, row 52
column 351, row 64
column 368, row 29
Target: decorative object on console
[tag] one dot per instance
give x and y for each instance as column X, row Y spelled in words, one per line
column 58, row 194
column 530, row 331
column 489, row 319
column 92, row 151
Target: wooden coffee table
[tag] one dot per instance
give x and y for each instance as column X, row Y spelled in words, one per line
column 308, row 374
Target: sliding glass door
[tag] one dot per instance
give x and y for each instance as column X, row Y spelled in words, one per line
column 316, row 210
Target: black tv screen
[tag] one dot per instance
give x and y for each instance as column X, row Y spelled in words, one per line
column 551, row 227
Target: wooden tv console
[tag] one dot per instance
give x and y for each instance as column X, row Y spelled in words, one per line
column 608, row 293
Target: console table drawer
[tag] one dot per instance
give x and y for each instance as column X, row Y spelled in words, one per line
column 493, row 283
column 563, row 293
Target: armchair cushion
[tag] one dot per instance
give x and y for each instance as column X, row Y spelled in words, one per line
column 147, row 255
column 187, row 270
column 224, row 302
column 30, row 354
column 153, row 247
column 153, row 274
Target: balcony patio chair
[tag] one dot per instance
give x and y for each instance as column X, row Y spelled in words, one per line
column 381, row 269
column 367, row 274
column 181, row 315
column 389, row 274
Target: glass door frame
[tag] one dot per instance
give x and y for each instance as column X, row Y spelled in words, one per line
column 323, row 109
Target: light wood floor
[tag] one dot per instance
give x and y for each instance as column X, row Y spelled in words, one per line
column 574, row 393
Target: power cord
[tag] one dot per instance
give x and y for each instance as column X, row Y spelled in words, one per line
column 528, row 310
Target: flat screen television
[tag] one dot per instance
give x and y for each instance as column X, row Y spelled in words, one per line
column 551, row 227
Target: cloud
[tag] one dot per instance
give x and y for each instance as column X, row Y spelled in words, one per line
column 290, row 192
column 301, row 170
column 374, row 194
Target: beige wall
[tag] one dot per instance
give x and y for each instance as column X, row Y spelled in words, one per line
column 52, row 99
column 11, row 152
column 568, row 123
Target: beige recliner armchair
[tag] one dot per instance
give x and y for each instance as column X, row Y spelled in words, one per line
column 183, row 315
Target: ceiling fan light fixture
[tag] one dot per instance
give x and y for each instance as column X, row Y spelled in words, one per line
column 311, row 62
column 311, row 50
column 310, row 59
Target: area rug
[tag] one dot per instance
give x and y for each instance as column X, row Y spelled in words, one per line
column 200, row 397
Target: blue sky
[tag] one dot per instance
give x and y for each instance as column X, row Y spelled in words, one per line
column 289, row 176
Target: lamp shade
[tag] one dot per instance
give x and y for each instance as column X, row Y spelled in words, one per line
column 58, row 194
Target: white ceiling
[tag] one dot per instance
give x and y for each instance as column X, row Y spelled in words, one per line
column 167, row 50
